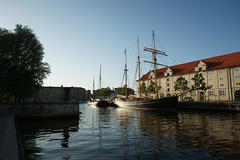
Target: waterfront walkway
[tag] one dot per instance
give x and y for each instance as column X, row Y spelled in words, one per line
column 8, row 138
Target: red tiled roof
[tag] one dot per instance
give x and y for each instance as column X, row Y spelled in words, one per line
column 223, row 61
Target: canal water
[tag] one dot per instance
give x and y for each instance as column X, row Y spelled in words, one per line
column 115, row 133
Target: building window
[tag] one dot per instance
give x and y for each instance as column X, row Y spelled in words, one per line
column 200, row 74
column 236, row 69
column 168, row 84
column 238, row 76
column 168, row 79
column 210, row 79
column 222, row 93
column 221, row 85
column 168, row 89
column 193, row 93
column 211, row 85
column 200, row 69
column 221, row 78
column 237, row 84
column 167, row 74
column 211, row 93
column 209, row 73
column 220, row 71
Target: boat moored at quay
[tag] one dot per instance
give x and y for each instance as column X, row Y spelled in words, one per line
column 165, row 102
column 140, row 103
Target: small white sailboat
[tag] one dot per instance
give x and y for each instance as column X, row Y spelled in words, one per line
column 92, row 101
column 98, row 102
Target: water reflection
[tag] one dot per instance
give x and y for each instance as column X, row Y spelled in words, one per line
column 217, row 133
column 115, row 133
column 36, row 133
column 207, row 134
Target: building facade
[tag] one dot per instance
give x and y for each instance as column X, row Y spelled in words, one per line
column 221, row 73
column 61, row 94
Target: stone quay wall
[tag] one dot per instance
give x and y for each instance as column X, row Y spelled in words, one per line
column 39, row 109
column 221, row 106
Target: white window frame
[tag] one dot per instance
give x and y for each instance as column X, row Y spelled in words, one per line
column 211, row 93
column 222, row 93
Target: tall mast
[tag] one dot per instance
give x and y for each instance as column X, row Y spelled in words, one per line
column 125, row 71
column 139, row 82
column 100, row 80
column 93, row 86
column 155, row 71
column 154, row 52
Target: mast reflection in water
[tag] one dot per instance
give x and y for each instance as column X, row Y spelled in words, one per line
column 115, row 133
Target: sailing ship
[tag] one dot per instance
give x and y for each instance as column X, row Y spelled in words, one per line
column 92, row 101
column 98, row 102
column 138, row 103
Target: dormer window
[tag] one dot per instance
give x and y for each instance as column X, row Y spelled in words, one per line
column 200, row 66
column 168, row 72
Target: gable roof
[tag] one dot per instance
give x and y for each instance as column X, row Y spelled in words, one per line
column 218, row 62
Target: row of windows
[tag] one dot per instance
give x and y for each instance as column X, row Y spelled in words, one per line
column 221, row 85
column 209, row 73
column 221, row 93
column 210, row 79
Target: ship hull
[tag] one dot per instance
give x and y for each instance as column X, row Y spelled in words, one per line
column 166, row 102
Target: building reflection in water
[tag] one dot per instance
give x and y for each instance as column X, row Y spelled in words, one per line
column 162, row 131
column 116, row 133
column 37, row 129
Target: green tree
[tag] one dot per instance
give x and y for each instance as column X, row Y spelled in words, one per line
column 143, row 88
column 198, row 81
column 151, row 87
column 21, row 68
column 121, row 91
column 181, row 84
column 104, row 92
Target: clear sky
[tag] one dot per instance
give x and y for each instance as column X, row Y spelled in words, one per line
column 79, row 35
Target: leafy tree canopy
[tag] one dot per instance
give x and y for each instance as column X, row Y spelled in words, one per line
column 198, row 80
column 151, row 87
column 143, row 88
column 121, row 91
column 104, row 92
column 21, row 68
column 181, row 84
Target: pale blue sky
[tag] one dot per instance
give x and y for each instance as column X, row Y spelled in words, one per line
column 79, row 35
